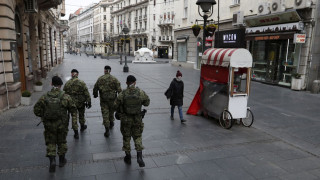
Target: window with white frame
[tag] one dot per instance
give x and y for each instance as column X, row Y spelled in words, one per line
column 236, row 2
column 185, row 13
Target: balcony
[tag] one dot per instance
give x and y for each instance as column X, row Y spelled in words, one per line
column 45, row 4
column 143, row 30
column 166, row 22
column 140, row 18
column 136, row 18
column 165, row 38
column 145, row 17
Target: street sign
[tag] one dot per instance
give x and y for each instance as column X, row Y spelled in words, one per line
column 299, row 38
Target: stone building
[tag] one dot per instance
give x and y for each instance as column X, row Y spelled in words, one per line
column 281, row 35
column 73, row 31
column 31, row 44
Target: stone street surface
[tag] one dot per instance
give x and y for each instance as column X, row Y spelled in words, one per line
column 283, row 142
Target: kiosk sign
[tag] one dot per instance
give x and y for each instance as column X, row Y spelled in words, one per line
column 299, row 38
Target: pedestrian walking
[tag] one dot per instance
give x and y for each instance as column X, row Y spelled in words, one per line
column 53, row 108
column 128, row 105
column 79, row 93
column 175, row 95
column 108, row 87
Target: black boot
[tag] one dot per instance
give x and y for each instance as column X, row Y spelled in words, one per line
column 83, row 127
column 139, row 159
column 111, row 124
column 127, row 158
column 52, row 166
column 62, row 160
column 76, row 134
column 107, row 133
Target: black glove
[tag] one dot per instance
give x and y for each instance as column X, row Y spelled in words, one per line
column 95, row 96
column 88, row 105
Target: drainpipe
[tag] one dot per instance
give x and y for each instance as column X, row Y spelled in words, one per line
column 4, row 73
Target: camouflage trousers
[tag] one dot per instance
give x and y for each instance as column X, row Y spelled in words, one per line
column 82, row 120
column 132, row 126
column 107, row 110
column 55, row 135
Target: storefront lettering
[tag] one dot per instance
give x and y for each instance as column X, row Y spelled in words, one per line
column 229, row 38
column 261, row 38
column 273, row 19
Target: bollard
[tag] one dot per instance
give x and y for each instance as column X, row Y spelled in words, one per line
column 315, row 87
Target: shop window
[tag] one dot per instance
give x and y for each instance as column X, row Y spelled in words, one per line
column 240, row 81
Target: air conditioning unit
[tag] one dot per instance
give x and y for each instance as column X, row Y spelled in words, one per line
column 263, row 8
column 237, row 19
column 300, row 4
column 278, row 6
column 31, row 6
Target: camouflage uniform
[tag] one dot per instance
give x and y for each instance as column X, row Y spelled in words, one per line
column 108, row 87
column 55, row 132
column 131, row 121
column 79, row 93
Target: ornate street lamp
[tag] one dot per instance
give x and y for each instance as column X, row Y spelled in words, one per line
column 207, row 8
column 125, row 30
column 94, row 45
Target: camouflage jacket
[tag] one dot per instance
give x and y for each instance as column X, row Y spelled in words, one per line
column 78, row 91
column 119, row 102
column 66, row 103
column 108, row 87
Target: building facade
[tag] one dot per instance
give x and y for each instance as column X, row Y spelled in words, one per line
column 31, row 43
column 270, row 29
column 85, row 29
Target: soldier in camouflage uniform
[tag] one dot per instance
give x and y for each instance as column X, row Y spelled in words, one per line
column 128, row 105
column 79, row 93
column 108, row 87
column 53, row 108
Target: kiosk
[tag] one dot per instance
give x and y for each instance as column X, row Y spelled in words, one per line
column 224, row 86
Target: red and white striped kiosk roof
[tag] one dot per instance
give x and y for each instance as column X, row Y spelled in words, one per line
column 226, row 57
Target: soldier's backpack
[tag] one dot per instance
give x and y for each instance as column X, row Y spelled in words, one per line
column 132, row 101
column 53, row 109
column 107, row 91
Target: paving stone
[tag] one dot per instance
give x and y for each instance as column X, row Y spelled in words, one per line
column 300, row 165
column 132, row 175
column 172, row 160
column 266, row 170
column 200, row 168
column 167, row 172
column 82, row 178
column 299, row 176
column 121, row 166
column 93, row 169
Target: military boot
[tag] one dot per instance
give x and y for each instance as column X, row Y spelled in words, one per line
column 139, row 159
column 111, row 124
column 76, row 134
column 83, row 127
column 62, row 160
column 107, row 133
column 52, row 166
column 127, row 158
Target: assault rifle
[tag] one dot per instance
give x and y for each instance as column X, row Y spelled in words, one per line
column 39, row 123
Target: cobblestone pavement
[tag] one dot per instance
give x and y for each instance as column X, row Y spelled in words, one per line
column 283, row 142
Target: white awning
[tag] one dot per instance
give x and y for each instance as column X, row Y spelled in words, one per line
column 227, row 57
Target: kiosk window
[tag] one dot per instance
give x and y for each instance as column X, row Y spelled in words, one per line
column 240, row 81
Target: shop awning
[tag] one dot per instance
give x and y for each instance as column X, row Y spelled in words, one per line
column 182, row 38
column 276, row 18
column 227, row 57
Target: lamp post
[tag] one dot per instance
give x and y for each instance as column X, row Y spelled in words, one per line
column 125, row 30
column 207, row 8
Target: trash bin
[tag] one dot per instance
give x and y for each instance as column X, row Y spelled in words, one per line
column 315, row 87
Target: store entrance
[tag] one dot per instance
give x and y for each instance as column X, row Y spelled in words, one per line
column 274, row 61
column 163, row 52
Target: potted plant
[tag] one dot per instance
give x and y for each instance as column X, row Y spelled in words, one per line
column 26, row 98
column 296, row 81
column 38, row 86
column 210, row 29
column 196, row 29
